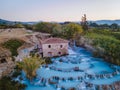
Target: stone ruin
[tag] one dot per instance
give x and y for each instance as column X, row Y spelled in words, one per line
column 6, row 63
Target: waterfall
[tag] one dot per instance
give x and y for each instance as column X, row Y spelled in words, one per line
column 47, row 83
column 82, row 86
column 117, row 72
column 94, row 87
column 38, row 83
column 58, row 88
column 78, row 68
column 111, row 75
column 104, row 76
column 74, row 43
column 71, row 51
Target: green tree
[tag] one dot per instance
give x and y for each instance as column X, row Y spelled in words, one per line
column 109, row 44
column 114, row 27
column 30, row 65
column 72, row 30
column 104, row 26
column 93, row 24
column 44, row 27
column 13, row 45
column 6, row 83
column 29, row 27
column 18, row 25
column 57, row 30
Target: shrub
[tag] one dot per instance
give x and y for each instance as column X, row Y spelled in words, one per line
column 13, row 45
column 109, row 44
column 6, row 83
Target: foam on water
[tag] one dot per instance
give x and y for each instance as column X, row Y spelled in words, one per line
column 73, row 70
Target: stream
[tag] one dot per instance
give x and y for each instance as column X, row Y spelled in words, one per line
column 77, row 71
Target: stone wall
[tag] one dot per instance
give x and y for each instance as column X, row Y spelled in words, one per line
column 6, row 63
column 6, row 68
column 55, row 49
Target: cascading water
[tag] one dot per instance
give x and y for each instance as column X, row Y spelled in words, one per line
column 76, row 71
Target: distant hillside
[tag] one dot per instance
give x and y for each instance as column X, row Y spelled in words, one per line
column 109, row 22
column 2, row 21
column 30, row 23
column 5, row 22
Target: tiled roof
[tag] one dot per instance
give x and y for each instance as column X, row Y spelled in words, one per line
column 53, row 40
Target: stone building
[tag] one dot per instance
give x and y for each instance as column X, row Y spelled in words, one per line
column 54, row 47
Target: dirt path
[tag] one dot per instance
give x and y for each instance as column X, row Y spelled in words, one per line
column 18, row 33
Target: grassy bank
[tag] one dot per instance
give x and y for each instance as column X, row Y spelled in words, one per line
column 108, row 42
column 13, row 45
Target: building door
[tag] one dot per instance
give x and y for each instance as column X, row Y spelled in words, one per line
column 59, row 53
column 49, row 54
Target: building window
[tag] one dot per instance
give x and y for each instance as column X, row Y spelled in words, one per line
column 59, row 53
column 49, row 46
column 61, row 46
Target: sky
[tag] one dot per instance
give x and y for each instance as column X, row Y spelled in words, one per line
column 59, row 10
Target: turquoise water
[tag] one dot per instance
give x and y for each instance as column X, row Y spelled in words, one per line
column 74, row 71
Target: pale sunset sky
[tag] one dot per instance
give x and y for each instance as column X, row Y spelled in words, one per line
column 59, row 10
